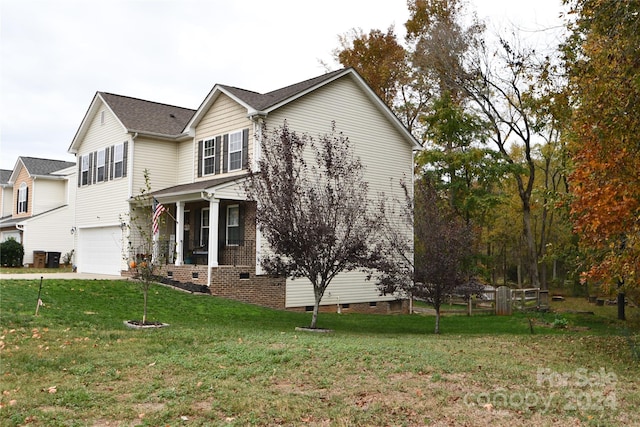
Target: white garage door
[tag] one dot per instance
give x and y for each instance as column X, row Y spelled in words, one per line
column 100, row 250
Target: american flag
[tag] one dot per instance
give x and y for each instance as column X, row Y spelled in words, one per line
column 158, row 209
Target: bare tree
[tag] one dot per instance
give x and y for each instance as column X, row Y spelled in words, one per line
column 437, row 263
column 312, row 207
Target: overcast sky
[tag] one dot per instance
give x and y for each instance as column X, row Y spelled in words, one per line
column 55, row 55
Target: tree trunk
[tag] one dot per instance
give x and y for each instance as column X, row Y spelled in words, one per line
column 621, row 315
column 531, row 246
column 144, row 310
column 437, row 330
column 314, row 317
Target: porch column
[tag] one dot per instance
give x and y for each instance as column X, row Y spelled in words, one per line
column 179, row 233
column 214, row 214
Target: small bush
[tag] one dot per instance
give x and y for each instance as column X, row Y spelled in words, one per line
column 11, row 253
column 560, row 323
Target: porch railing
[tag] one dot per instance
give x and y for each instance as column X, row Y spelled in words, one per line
column 239, row 252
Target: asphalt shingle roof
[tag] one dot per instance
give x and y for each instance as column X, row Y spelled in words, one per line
column 42, row 167
column 146, row 116
column 5, row 175
column 269, row 99
column 194, row 187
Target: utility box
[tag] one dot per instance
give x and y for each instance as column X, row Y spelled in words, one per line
column 53, row 259
column 39, row 259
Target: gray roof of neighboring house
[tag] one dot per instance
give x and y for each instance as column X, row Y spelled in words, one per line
column 263, row 101
column 4, row 176
column 145, row 116
column 42, row 167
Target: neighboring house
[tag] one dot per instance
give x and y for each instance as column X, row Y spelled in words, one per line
column 38, row 202
column 6, row 195
column 198, row 161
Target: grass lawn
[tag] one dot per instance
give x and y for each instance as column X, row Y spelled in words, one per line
column 225, row 363
column 26, row 270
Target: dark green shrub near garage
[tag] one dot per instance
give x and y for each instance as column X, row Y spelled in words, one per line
column 11, row 253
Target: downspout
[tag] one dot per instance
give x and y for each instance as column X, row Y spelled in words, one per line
column 130, row 164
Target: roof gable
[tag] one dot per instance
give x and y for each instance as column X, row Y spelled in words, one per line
column 262, row 104
column 255, row 102
column 136, row 116
column 39, row 167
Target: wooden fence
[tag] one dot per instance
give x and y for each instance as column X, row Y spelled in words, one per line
column 501, row 301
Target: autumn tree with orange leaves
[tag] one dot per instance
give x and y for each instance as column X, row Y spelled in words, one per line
column 603, row 60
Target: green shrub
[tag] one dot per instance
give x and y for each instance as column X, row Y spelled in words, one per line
column 11, row 253
column 560, row 323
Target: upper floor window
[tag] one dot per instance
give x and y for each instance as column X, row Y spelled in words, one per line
column 118, row 161
column 84, row 170
column 100, row 165
column 235, row 151
column 23, row 197
column 209, row 156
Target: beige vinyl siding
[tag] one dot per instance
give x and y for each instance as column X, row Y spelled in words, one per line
column 7, row 201
column 48, row 194
column 224, row 116
column 103, row 203
column 49, row 232
column 346, row 288
column 159, row 158
column 386, row 154
column 186, row 162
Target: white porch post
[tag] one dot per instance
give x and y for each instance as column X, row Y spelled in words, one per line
column 155, row 251
column 214, row 213
column 179, row 233
column 214, row 210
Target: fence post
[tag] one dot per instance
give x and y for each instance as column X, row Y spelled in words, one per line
column 503, row 301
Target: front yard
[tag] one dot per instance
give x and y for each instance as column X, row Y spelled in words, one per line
column 225, row 363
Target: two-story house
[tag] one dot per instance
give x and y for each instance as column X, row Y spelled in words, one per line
column 197, row 161
column 37, row 205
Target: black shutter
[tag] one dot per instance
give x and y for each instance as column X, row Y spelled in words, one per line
column 225, row 153
column 79, row 160
column 222, row 228
column 245, row 148
column 26, row 200
column 241, row 225
column 124, row 158
column 217, row 161
column 200, row 154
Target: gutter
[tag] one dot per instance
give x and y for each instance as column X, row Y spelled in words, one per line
column 130, row 164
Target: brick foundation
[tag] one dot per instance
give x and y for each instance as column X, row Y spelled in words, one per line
column 240, row 283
